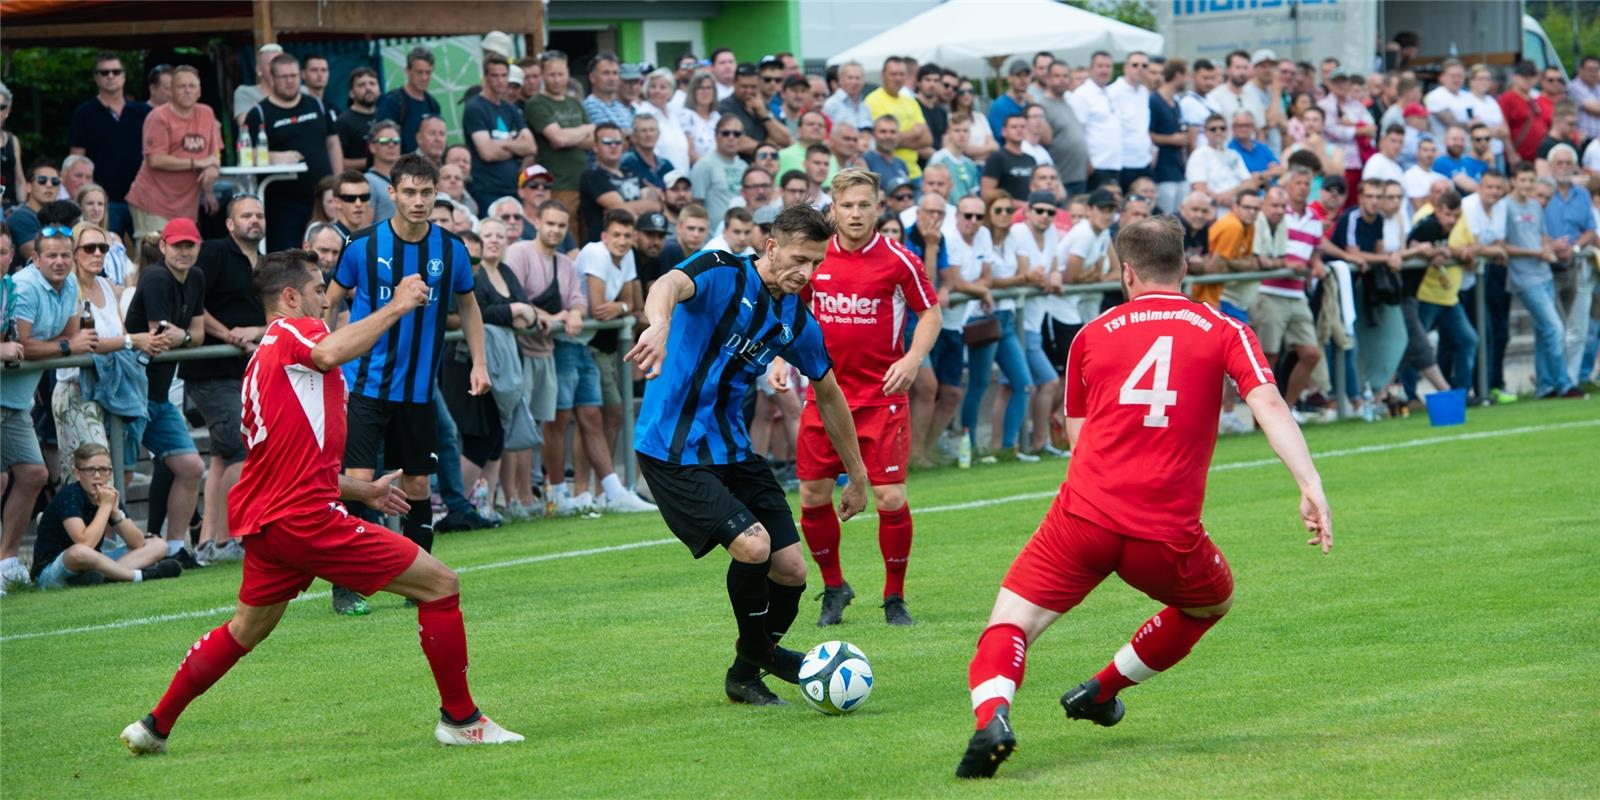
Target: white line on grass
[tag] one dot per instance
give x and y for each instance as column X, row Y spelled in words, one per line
column 993, row 501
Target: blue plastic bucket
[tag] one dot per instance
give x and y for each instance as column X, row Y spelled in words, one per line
column 1447, row 408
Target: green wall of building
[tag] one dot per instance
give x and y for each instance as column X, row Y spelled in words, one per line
column 755, row 28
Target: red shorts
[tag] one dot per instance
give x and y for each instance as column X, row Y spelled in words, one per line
column 885, row 436
column 1068, row 556
column 281, row 560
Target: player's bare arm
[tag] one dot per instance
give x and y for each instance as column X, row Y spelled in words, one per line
column 898, row 379
column 349, row 342
column 1074, row 429
column 472, row 323
column 1284, row 435
column 665, row 294
column 381, row 495
column 841, row 428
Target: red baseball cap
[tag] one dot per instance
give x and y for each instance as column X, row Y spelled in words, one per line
column 1415, row 110
column 180, row 229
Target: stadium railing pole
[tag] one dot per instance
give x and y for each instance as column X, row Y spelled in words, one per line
column 625, row 382
column 1480, row 305
column 114, row 435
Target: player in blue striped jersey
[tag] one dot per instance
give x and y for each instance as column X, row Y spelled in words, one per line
column 391, row 386
column 715, row 323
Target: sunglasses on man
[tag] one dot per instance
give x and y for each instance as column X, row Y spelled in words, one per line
column 47, row 180
column 365, row 197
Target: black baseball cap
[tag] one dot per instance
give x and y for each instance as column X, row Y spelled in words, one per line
column 1043, row 199
column 1102, row 198
column 653, row 222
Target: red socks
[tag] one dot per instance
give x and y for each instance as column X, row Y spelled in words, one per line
column 996, row 670
column 894, row 539
column 1161, row 642
column 208, row 660
column 821, row 528
column 444, row 642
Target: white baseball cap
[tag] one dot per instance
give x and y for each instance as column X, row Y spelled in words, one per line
column 498, row 42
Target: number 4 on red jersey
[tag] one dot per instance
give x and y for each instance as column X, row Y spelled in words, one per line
column 1146, row 377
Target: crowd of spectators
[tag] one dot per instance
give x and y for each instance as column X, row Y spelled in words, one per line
column 574, row 186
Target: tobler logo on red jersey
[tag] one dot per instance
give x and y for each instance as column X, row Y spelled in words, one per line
column 854, row 305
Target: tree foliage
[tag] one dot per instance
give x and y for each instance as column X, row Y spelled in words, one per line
column 1560, row 19
column 1137, row 13
column 47, row 84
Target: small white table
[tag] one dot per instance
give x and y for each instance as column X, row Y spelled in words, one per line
column 254, row 180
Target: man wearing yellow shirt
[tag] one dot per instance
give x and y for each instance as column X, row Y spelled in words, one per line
column 888, row 100
column 1439, row 293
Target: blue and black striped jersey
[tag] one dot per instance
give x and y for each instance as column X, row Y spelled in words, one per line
column 721, row 341
column 401, row 367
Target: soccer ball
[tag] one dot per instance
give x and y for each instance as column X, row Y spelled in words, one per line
column 835, row 678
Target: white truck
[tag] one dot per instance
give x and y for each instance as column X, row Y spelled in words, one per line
column 1496, row 32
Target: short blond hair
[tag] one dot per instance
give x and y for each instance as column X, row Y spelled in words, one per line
column 852, row 177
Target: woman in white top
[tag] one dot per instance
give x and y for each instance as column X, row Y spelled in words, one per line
column 119, row 268
column 674, row 144
column 80, row 420
column 1486, row 109
column 1010, row 408
column 699, row 118
column 981, row 143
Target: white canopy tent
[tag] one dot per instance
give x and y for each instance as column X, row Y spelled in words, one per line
column 974, row 37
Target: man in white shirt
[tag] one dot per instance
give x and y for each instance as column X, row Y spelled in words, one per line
column 723, row 67
column 1102, row 126
column 1215, row 168
column 1229, row 98
column 971, row 256
column 1419, row 177
column 1130, row 96
column 1449, row 103
column 1033, row 258
column 613, row 291
column 1263, row 98
column 1385, row 166
column 848, row 105
column 1193, row 104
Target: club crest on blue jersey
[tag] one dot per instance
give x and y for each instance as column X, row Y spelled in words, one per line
column 435, row 267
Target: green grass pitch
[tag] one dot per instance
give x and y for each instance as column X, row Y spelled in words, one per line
column 1447, row 648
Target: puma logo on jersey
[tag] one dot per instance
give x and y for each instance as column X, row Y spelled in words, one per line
column 386, row 263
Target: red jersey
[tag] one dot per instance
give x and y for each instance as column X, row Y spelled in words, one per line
column 861, row 298
column 294, row 429
column 1146, row 377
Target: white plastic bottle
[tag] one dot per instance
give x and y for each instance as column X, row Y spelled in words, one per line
column 263, row 157
column 1369, row 408
column 245, row 150
column 964, row 450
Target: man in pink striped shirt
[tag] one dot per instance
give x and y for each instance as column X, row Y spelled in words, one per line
column 1281, row 314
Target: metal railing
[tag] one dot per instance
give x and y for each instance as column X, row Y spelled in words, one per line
column 622, row 453
column 1336, row 369
column 623, row 450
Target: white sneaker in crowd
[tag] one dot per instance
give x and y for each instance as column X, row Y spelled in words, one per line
column 1026, row 457
column 1052, row 450
column 627, row 503
column 579, row 505
column 12, row 571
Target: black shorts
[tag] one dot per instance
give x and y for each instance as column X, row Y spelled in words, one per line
column 711, row 504
column 1056, row 337
column 221, row 408
column 406, row 433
